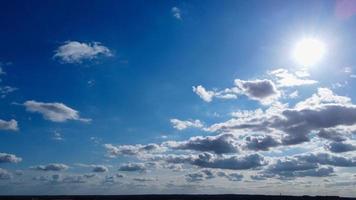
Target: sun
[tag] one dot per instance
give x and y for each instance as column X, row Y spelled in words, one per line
column 309, row 51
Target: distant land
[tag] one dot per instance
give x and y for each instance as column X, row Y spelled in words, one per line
column 176, row 197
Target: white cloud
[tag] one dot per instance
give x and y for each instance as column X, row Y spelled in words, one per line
column 9, row 125
column 50, row 167
column 294, row 94
column 9, row 158
column 176, row 12
column 287, row 79
column 130, row 150
column 56, row 112
column 207, row 96
column 57, row 136
column 181, row 125
column 77, row 52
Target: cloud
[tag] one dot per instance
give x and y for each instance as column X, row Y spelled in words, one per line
column 332, row 135
column 144, row 179
column 340, row 147
column 131, row 167
column 324, row 110
column 195, row 177
column 210, row 174
column 9, row 158
column 176, row 12
column 231, row 176
column 207, row 96
column 95, row 168
column 131, row 150
column 64, row 179
column 56, row 112
column 5, row 90
column 294, row 94
column 181, row 125
column 328, row 159
column 100, row 168
column 209, row 160
column 77, row 52
column 57, row 136
column 287, row 79
column 4, row 174
column 11, row 125
column 295, row 167
column 263, row 143
column 50, row 167
column 224, row 143
column 261, row 90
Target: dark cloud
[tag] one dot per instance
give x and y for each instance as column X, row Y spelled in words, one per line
column 340, row 147
column 130, row 167
column 209, row 160
column 328, row 159
column 294, row 167
column 320, row 112
column 230, row 176
column 331, row 135
column 211, row 173
column 144, row 179
column 298, row 123
column 260, row 90
column 220, row 144
column 263, row 143
column 100, row 168
column 195, row 177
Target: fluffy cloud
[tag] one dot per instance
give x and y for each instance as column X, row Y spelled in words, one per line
column 9, row 125
column 261, row 90
column 209, row 160
column 224, row 143
column 77, row 52
column 181, row 125
column 138, row 149
column 56, row 112
column 51, row 167
column 131, row 167
column 203, row 93
column 9, row 158
column 321, row 112
column 207, row 96
column 287, row 79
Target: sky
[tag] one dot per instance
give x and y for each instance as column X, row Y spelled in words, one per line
column 184, row 97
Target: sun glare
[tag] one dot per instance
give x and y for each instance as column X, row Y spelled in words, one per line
column 308, row 52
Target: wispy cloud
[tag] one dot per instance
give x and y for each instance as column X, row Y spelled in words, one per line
column 77, row 52
column 56, row 112
column 176, row 12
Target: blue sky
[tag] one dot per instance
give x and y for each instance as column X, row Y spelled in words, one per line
column 128, row 97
